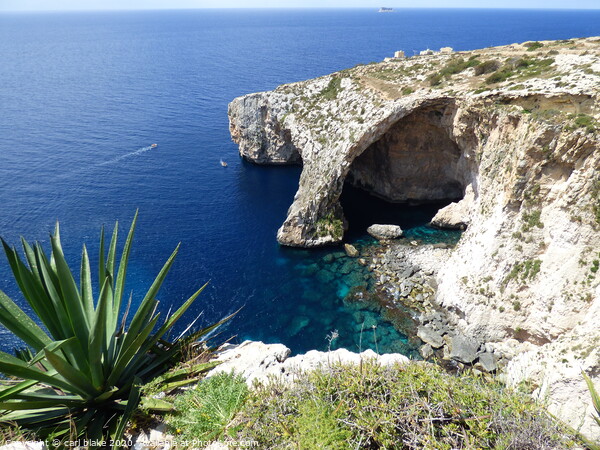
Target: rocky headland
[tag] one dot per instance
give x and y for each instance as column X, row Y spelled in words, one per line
column 510, row 138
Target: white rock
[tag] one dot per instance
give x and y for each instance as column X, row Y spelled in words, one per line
column 247, row 360
column 385, row 231
column 26, row 445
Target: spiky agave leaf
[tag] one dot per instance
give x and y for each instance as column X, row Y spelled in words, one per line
column 594, row 395
column 90, row 359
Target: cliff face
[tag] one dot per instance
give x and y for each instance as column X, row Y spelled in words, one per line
column 513, row 132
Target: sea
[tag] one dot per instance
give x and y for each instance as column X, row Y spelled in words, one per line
column 84, row 95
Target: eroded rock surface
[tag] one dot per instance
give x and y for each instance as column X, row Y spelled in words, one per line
column 508, row 134
column 257, row 361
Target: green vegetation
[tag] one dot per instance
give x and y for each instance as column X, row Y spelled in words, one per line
column 407, row 90
column 532, row 46
column 204, row 413
column 453, row 67
column 594, row 395
column 487, row 67
column 333, row 88
column 525, row 270
column 586, row 122
column 80, row 376
column 413, row 407
column 531, row 220
column 596, row 200
column 517, row 305
column 500, row 76
column 522, row 67
column 330, row 226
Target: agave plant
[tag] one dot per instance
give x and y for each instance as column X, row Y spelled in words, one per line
column 594, row 395
column 83, row 369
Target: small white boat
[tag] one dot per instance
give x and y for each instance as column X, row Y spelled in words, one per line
column 154, row 145
column 223, row 163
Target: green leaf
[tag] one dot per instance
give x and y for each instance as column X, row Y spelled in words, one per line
column 120, row 280
column 156, row 405
column 99, row 331
column 593, row 394
column 132, row 403
column 77, row 379
column 86, row 285
column 12, row 366
column 31, row 286
column 13, row 318
column 70, row 293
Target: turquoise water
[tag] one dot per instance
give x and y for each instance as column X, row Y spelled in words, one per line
column 83, row 96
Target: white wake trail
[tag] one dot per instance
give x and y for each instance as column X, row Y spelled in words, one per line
column 127, row 155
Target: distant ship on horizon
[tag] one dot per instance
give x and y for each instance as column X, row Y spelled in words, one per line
column 384, row 9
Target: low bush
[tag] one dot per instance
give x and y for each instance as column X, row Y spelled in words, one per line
column 412, row 407
column 487, row 67
column 453, row 67
column 531, row 46
column 204, row 413
column 333, row 88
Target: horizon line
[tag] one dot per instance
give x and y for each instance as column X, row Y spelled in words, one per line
column 525, row 8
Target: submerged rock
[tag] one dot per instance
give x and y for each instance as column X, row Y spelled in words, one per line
column 298, row 324
column 385, row 231
column 351, row 250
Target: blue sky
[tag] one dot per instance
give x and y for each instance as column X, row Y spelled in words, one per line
column 39, row 5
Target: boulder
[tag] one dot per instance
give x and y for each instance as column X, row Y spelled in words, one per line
column 351, row 250
column 462, row 348
column 487, row 361
column 456, row 215
column 426, row 351
column 250, row 359
column 430, row 336
column 385, row 231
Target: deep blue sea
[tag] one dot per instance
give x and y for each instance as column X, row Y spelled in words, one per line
column 84, row 95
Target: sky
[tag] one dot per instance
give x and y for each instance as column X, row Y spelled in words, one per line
column 57, row 5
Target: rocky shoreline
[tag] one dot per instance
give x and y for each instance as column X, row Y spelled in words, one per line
column 406, row 276
column 511, row 136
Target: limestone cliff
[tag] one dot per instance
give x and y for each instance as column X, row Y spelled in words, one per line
column 511, row 134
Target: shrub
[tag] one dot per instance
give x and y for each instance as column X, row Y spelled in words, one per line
column 84, row 380
column 531, row 220
column 413, row 407
column 531, row 46
column 586, row 122
column 333, row 88
column 487, row 67
column 451, row 68
column 205, row 412
column 500, row 76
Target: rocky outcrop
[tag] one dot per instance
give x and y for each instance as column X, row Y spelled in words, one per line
column 257, row 361
column 457, row 214
column 508, row 134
